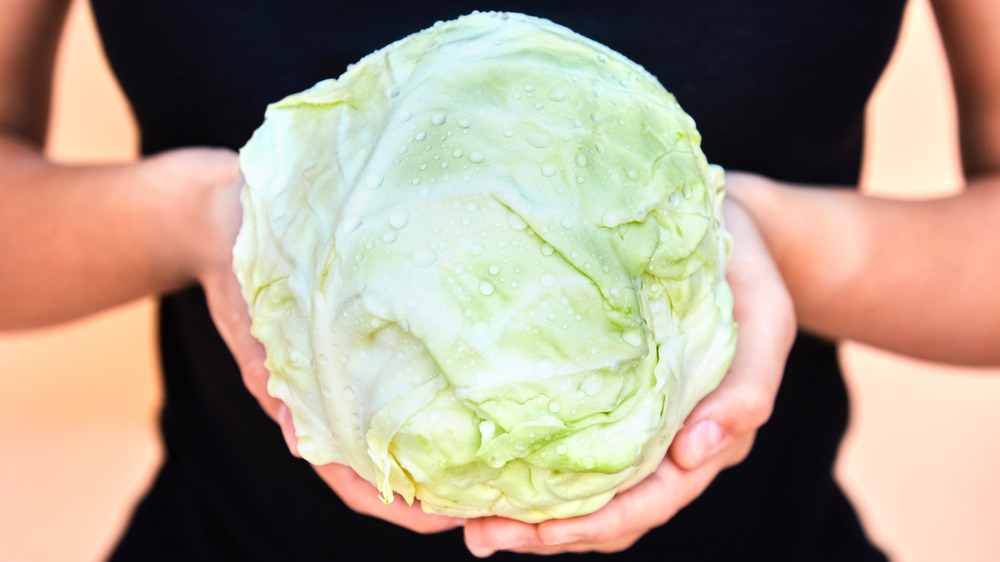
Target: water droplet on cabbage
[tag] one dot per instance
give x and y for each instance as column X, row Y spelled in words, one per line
column 516, row 221
column 633, row 338
column 351, row 224
column 592, row 385
column 423, row 257
column 399, row 218
column 350, row 394
column 538, row 138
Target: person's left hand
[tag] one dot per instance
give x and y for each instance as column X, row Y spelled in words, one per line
column 717, row 434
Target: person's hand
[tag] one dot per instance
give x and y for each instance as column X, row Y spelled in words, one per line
column 717, row 434
column 232, row 319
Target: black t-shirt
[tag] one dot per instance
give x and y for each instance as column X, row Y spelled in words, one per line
column 778, row 87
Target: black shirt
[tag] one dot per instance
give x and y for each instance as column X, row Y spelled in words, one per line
column 777, row 87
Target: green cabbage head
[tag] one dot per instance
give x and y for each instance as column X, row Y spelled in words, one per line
column 487, row 264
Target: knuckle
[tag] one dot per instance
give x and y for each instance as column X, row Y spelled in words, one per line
column 757, row 407
column 742, row 450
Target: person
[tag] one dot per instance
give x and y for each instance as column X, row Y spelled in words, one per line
column 778, row 90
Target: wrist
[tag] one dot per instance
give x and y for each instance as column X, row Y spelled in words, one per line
column 199, row 189
column 762, row 199
column 813, row 236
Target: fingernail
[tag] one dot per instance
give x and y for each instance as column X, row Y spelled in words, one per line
column 481, row 552
column 705, row 440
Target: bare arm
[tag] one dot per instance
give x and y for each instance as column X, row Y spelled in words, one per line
column 78, row 239
column 915, row 277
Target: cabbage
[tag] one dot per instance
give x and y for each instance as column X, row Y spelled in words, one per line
column 487, row 265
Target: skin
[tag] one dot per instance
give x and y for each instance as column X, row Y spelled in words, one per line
column 716, row 435
column 914, row 277
column 872, row 250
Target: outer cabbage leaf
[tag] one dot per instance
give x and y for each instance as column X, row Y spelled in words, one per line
column 487, row 264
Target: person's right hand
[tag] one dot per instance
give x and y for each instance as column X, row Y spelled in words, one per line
column 232, row 319
column 358, row 494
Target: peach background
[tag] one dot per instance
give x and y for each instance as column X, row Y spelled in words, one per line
column 78, row 402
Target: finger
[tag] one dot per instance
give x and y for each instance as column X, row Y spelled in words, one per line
column 487, row 535
column 484, row 537
column 232, row 318
column 745, row 397
column 284, row 418
column 359, row 495
column 648, row 504
column 740, row 405
column 616, row 526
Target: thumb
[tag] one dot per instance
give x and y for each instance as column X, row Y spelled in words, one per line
column 744, row 399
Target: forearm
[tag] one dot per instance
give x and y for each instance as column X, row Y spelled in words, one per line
column 914, row 277
column 79, row 239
